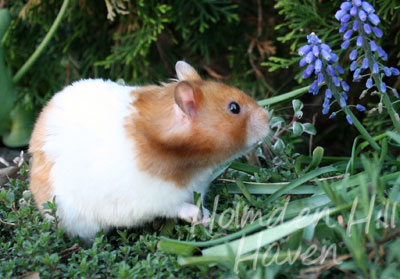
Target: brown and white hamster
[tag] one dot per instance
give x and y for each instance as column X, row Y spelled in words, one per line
column 119, row 156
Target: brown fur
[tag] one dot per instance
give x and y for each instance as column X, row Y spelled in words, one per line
column 214, row 135
column 40, row 184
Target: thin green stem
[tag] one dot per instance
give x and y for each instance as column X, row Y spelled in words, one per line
column 362, row 130
column 378, row 80
column 391, row 111
column 42, row 45
column 347, row 110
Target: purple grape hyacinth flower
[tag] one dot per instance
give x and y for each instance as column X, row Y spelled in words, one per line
column 360, row 107
column 358, row 19
column 349, row 119
column 321, row 63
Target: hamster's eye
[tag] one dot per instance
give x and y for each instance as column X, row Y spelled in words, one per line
column 234, row 108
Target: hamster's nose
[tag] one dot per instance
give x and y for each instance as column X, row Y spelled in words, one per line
column 263, row 115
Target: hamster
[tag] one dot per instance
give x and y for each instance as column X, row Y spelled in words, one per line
column 119, row 156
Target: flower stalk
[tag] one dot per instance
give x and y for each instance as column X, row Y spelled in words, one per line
column 359, row 17
column 347, row 110
column 321, row 62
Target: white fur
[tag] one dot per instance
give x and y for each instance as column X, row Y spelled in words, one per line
column 95, row 177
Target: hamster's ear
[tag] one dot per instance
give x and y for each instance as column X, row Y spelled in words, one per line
column 186, row 72
column 185, row 99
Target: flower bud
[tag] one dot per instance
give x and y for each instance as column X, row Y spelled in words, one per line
column 355, row 25
column 328, row 93
column 304, row 50
column 347, row 34
column 365, row 63
column 378, row 32
column 369, row 83
column 349, row 119
column 367, row 7
column 359, row 41
column 308, row 71
column 373, row 45
column 346, row 6
column 387, row 71
column 353, row 66
column 383, row 87
column 353, row 54
column 367, row 28
column 326, row 55
column 362, row 15
column 320, row 78
column 375, row 68
column 374, row 19
column 345, row 86
column 360, row 107
column 353, row 11
column 339, row 69
column 339, row 14
column 342, row 102
column 318, row 65
column 395, row 71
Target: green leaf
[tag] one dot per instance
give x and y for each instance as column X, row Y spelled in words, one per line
column 299, row 181
column 297, row 128
column 318, row 154
column 176, row 248
column 394, row 136
column 7, row 92
column 309, row 129
column 255, row 241
column 270, row 188
column 276, row 121
column 244, row 167
column 22, row 120
column 284, row 97
column 297, row 105
column 279, row 145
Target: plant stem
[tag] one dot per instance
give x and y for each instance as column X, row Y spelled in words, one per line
column 362, row 130
column 378, row 80
column 356, row 123
column 43, row 44
column 390, row 110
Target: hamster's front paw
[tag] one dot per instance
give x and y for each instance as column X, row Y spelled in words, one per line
column 192, row 214
column 189, row 212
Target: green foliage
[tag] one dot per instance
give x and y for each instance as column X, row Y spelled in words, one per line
column 7, row 90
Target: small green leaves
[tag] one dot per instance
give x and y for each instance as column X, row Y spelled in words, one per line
column 297, row 108
column 309, row 129
column 276, row 122
column 176, row 248
column 279, row 145
column 297, row 128
column 318, row 153
column 297, row 105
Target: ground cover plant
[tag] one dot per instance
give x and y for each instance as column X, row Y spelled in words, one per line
column 318, row 199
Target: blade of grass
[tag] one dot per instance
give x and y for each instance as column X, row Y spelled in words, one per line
column 297, row 182
column 243, row 189
column 283, row 97
column 292, row 210
column 260, row 239
column 270, row 188
column 244, row 167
